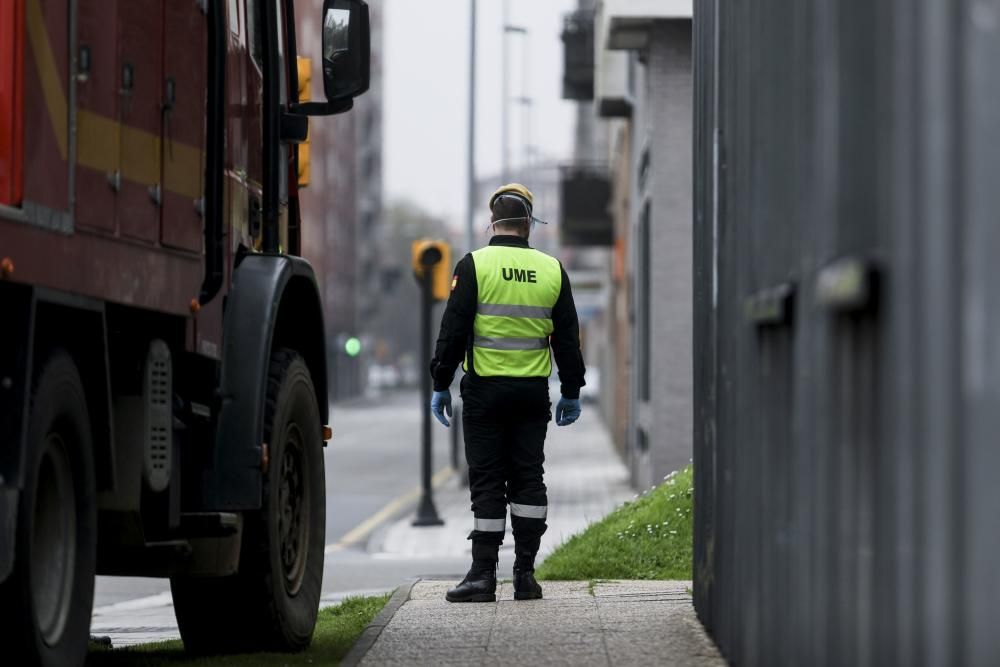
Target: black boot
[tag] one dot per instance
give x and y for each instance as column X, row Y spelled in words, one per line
column 479, row 585
column 525, row 586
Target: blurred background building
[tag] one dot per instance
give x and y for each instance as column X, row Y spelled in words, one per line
column 342, row 208
column 626, row 210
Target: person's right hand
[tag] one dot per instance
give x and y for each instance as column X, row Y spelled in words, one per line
column 567, row 411
column 440, row 404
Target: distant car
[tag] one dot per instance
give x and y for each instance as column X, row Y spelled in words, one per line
column 590, row 392
column 383, row 376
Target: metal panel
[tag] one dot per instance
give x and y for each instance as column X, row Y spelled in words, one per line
column 98, row 175
column 11, row 100
column 140, row 82
column 847, row 346
column 184, row 75
column 47, row 110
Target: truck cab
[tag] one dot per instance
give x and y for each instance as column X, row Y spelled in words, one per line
column 163, row 401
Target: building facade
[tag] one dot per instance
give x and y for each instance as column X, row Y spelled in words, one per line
column 342, row 206
column 641, row 116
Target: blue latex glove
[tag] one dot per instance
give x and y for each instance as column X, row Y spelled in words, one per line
column 567, row 411
column 440, row 404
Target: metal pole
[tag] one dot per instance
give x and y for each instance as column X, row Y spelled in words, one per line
column 426, row 511
column 528, row 102
column 504, row 130
column 471, row 167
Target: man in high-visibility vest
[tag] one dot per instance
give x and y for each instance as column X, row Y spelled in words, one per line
column 509, row 305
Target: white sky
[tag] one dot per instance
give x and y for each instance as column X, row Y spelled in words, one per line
column 426, row 77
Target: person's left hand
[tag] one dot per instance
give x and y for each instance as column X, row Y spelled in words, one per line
column 567, row 411
column 440, row 404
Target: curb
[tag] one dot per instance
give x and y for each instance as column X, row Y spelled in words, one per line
column 370, row 634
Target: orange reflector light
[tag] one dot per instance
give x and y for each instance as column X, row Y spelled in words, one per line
column 327, row 433
column 6, row 267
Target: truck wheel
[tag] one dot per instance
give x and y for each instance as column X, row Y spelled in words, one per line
column 46, row 603
column 272, row 603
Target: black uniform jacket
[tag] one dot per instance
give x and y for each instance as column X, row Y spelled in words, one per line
column 456, row 335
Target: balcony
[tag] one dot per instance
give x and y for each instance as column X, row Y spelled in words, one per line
column 613, row 79
column 578, row 55
column 626, row 23
column 585, row 205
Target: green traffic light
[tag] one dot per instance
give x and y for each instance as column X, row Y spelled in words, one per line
column 352, row 346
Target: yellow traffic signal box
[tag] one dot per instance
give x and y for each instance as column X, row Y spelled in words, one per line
column 435, row 256
column 304, row 66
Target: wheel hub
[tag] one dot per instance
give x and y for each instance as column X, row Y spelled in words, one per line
column 293, row 510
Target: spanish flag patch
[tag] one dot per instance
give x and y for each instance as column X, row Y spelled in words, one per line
column 454, row 282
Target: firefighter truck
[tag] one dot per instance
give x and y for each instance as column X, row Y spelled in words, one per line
column 163, row 383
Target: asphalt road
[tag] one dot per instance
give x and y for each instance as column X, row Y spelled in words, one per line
column 372, row 477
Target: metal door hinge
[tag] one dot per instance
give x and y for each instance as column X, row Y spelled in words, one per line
column 115, row 180
column 156, row 194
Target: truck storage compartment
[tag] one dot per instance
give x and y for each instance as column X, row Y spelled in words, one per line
column 11, row 96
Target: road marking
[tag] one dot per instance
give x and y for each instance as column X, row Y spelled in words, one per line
column 363, row 529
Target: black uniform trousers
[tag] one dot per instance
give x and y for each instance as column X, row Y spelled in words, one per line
column 504, row 420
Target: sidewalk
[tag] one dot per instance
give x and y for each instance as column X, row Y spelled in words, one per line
column 585, row 478
column 617, row 623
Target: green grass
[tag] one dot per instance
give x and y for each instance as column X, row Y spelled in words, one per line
column 647, row 538
column 336, row 630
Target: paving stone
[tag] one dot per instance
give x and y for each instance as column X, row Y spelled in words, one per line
column 628, row 623
column 431, row 590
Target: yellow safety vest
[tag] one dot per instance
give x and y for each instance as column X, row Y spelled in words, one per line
column 517, row 289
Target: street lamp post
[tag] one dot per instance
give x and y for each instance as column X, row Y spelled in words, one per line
column 471, row 154
column 504, row 106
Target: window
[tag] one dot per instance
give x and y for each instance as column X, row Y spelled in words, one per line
column 643, row 316
column 234, row 16
column 254, row 34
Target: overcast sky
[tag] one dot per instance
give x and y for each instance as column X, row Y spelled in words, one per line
column 426, row 51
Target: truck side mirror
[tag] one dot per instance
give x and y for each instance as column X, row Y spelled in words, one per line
column 346, row 49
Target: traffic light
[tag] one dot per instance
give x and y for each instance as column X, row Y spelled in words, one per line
column 304, row 66
column 436, row 257
column 352, row 346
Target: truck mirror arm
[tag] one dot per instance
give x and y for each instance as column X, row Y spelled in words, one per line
column 322, row 108
column 294, row 127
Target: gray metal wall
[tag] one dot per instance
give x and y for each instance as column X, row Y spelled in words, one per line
column 847, row 330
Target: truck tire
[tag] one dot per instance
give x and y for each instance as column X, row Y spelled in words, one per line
column 46, row 603
column 272, row 602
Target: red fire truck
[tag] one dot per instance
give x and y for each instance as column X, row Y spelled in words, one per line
column 163, row 401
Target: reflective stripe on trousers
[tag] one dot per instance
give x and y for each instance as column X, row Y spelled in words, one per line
column 529, row 511
column 511, row 343
column 490, row 525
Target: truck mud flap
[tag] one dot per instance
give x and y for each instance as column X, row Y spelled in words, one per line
column 262, row 285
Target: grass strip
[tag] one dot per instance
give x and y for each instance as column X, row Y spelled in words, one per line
column 337, row 628
column 649, row 537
